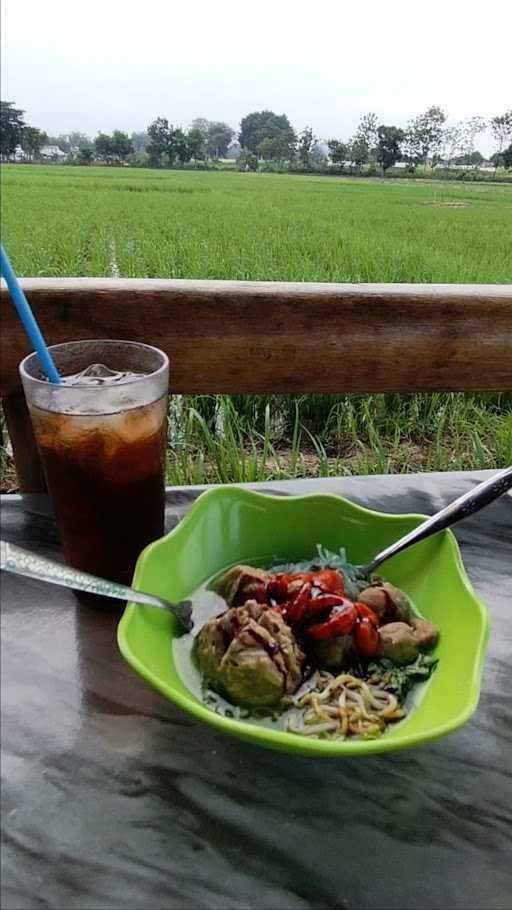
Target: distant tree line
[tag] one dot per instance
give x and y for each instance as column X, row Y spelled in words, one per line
column 424, row 140
column 266, row 138
column 15, row 132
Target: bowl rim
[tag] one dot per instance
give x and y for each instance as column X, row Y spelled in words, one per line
column 281, row 739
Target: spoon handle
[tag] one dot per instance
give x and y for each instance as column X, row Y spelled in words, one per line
column 460, row 508
column 23, row 562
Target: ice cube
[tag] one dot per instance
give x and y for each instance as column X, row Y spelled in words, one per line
column 99, row 374
column 97, row 369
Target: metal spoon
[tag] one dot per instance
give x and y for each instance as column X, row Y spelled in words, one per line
column 23, row 562
column 460, row 508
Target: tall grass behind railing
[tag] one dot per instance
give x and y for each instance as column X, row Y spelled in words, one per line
column 244, row 438
column 224, row 438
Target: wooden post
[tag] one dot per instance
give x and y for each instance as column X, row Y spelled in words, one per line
column 26, row 456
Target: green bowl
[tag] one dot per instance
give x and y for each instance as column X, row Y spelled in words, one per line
column 227, row 525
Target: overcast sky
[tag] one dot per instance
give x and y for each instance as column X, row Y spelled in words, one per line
column 118, row 64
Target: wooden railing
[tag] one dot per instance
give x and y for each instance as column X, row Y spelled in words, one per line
column 267, row 337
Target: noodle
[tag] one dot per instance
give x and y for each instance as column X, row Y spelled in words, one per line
column 343, row 706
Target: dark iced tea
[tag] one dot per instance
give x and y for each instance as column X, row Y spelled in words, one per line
column 104, row 460
column 106, row 476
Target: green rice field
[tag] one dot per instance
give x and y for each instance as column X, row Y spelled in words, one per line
column 143, row 223
column 67, row 221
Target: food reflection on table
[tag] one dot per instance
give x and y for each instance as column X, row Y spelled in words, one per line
column 331, row 653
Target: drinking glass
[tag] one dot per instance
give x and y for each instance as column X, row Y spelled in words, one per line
column 103, row 450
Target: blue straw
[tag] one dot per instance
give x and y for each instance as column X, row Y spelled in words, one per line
column 27, row 317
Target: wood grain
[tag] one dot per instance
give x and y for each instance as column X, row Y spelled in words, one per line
column 245, row 337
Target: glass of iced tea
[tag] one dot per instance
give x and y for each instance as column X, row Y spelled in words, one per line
column 102, row 435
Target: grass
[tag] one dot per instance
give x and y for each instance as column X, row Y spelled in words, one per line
column 323, row 435
column 141, row 223
column 85, row 221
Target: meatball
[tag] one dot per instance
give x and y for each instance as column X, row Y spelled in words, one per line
column 335, row 653
column 250, row 675
column 397, row 642
column 241, row 583
column 425, row 633
column 375, row 597
column 388, row 602
column 250, row 655
column 209, row 648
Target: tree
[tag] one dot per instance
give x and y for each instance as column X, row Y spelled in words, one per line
column 260, row 125
column 247, row 161
column 201, row 124
column 473, row 159
column 411, row 152
column 367, row 133
column 121, row 145
column 112, row 148
column 174, row 143
column 12, row 125
column 496, row 160
column 389, row 151
column 277, row 149
column 218, row 138
column 167, row 141
column 471, row 128
column 339, row 151
column 501, row 127
column 307, row 140
column 85, row 155
column 459, row 139
column 104, row 148
column 79, row 140
column 424, row 136
column 507, row 157
column 319, row 154
column 358, row 151
column 197, row 143
column 266, row 150
column 32, row 141
column 159, row 133
column 453, row 142
column 180, row 145
column 140, row 141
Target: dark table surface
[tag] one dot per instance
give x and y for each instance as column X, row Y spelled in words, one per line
column 113, row 798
